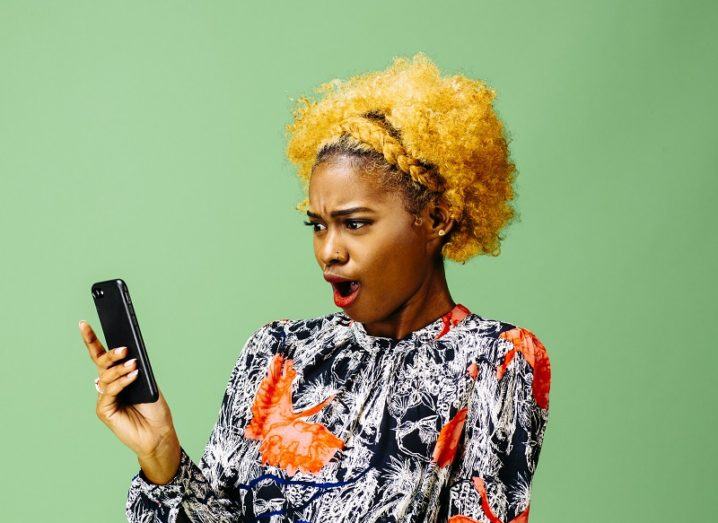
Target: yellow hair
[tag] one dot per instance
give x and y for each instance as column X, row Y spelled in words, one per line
column 442, row 132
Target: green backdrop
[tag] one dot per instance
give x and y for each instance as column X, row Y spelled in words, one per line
column 145, row 140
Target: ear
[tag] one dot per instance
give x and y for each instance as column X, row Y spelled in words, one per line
column 438, row 219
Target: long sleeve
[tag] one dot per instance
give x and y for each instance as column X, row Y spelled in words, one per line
column 505, row 423
column 201, row 491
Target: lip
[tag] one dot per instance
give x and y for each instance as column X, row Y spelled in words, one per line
column 339, row 300
column 333, row 278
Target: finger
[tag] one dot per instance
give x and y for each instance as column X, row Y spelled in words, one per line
column 109, row 358
column 94, row 346
column 108, row 398
column 109, row 375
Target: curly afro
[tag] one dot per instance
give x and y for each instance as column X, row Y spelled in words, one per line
column 442, row 134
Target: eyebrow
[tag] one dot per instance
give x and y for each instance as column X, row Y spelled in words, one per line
column 342, row 212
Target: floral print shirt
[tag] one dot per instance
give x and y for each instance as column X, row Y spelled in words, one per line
column 323, row 423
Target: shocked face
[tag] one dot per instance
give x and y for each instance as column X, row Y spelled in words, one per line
column 366, row 243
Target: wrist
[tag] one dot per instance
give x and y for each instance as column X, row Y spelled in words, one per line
column 162, row 464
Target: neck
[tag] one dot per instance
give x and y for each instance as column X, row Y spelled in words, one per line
column 429, row 303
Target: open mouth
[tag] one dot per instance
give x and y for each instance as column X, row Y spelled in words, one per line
column 346, row 288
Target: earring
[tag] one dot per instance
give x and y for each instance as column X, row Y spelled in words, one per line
column 418, row 221
column 442, row 232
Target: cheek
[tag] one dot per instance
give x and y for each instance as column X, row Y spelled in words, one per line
column 393, row 258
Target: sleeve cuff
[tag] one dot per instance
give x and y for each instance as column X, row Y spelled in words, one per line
column 170, row 494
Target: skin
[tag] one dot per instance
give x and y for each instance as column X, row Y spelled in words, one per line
column 146, row 428
column 396, row 260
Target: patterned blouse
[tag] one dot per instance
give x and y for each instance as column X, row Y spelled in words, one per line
column 323, row 423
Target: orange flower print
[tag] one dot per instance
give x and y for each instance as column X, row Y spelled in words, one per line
column 505, row 364
column 287, row 441
column 535, row 353
column 523, row 517
column 448, row 440
column 452, row 318
column 473, row 370
column 481, row 488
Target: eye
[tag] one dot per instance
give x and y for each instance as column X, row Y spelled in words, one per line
column 359, row 224
column 313, row 224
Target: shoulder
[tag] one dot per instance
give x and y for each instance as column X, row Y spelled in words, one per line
column 523, row 353
column 304, row 328
column 508, row 349
column 522, row 342
column 285, row 333
column 502, row 335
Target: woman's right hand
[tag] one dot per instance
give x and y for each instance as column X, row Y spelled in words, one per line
column 146, row 428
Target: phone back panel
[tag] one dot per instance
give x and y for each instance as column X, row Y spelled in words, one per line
column 121, row 329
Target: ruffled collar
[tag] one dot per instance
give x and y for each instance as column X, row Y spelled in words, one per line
column 429, row 333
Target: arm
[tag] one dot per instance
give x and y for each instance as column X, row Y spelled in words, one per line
column 204, row 490
column 505, row 424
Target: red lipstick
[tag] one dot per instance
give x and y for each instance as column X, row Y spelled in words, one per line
column 345, row 289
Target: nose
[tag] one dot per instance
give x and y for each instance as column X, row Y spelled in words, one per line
column 331, row 250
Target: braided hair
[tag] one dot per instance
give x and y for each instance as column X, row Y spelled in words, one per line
column 433, row 138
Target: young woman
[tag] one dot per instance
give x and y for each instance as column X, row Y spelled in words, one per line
column 404, row 405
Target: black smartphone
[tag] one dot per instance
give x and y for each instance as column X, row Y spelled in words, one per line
column 121, row 329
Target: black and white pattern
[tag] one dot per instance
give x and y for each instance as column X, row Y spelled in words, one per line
column 389, row 400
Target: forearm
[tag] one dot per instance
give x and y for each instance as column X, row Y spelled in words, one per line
column 162, row 465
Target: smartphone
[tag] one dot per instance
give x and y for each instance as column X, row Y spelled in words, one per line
column 121, row 329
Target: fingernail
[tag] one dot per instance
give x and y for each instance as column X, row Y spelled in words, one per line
column 81, row 322
column 133, row 373
column 130, row 362
column 120, row 350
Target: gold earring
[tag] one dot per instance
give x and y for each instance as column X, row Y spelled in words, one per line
column 418, row 221
column 442, row 232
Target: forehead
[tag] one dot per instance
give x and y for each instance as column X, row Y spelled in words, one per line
column 338, row 183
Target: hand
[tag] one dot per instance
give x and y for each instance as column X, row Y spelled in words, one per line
column 146, row 428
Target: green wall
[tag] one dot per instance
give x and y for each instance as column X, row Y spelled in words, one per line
column 145, row 140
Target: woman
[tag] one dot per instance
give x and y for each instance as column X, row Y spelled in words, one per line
column 404, row 405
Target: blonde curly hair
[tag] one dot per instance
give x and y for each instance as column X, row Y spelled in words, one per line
column 441, row 135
